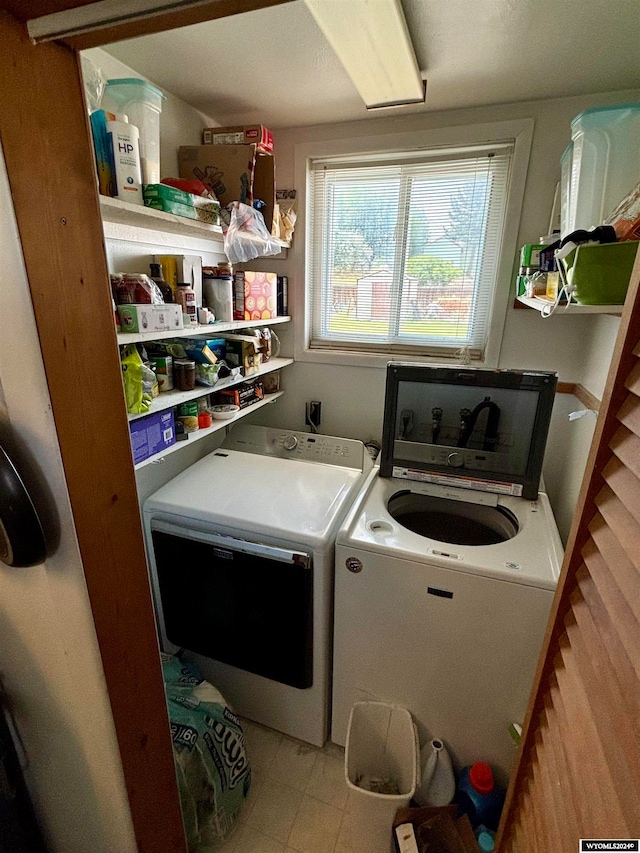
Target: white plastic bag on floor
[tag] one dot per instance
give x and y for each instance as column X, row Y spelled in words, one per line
column 247, row 236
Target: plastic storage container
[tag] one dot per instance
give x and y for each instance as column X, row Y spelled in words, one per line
column 218, row 294
column 606, row 162
column 566, row 214
column 142, row 103
column 382, row 752
column 479, row 797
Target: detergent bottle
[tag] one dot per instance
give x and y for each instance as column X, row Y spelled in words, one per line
column 479, row 797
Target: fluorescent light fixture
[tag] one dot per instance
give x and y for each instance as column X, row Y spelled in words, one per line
column 371, row 40
column 103, row 13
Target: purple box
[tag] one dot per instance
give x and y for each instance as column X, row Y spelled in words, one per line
column 152, row 435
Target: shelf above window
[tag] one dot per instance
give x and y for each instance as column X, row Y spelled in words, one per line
column 118, row 216
column 538, row 304
column 203, row 433
column 117, row 213
column 209, row 331
column 170, row 399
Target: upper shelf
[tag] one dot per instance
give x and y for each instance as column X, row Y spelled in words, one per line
column 195, row 331
column 561, row 310
column 124, row 213
column 117, row 213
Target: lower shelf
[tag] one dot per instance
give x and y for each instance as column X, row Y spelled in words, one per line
column 203, row 433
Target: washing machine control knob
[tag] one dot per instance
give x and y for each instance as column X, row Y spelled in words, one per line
column 455, row 460
column 290, row 442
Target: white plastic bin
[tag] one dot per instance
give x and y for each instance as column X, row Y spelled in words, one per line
column 142, row 103
column 606, row 162
column 382, row 744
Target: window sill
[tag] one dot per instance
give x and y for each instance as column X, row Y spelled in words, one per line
column 347, row 358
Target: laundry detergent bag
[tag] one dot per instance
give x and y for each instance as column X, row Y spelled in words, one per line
column 213, row 772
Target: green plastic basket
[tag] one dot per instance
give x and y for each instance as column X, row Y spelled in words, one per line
column 600, row 273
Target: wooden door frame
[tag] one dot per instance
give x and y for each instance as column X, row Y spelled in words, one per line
column 623, row 359
column 47, row 147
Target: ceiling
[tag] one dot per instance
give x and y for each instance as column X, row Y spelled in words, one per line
column 274, row 67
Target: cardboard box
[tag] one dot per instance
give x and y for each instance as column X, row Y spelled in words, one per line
column 184, row 210
column 255, row 295
column 243, row 351
column 202, row 351
column 152, row 435
column 232, row 173
column 155, row 191
column 242, row 395
column 150, row 318
column 448, row 833
column 240, row 135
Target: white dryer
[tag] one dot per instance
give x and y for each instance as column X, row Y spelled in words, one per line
column 241, row 550
column 445, row 572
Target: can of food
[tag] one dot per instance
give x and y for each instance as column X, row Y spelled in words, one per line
column 188, row 415
column 184, row 374
column 163, row 367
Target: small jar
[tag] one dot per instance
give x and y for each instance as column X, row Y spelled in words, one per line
column 184, row 374
column 204, row 420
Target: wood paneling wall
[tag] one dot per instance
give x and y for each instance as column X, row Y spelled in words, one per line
column 578, row 774
column 44, row 134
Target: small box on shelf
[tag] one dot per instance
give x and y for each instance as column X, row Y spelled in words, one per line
column 242, row 395
column 152, row 434
column 150, row 318
column 254, row 295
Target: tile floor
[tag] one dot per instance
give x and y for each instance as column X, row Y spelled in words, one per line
column 299, row 802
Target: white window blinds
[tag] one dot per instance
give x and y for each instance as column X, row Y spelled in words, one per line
column 404, row 250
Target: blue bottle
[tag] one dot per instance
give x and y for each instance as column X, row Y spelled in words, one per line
column 485, row 838
column 479, row 797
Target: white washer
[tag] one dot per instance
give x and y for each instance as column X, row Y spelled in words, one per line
column 241, row 550
column 450, row 631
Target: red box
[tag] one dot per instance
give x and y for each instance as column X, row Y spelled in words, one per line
column 240, row 135
column 255, row 295
column 242, row 395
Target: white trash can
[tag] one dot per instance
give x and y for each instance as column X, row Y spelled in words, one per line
column 381, row 757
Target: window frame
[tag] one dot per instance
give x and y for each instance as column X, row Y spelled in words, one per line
column 518, row 132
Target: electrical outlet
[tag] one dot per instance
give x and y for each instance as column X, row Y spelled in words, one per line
column 312, row 415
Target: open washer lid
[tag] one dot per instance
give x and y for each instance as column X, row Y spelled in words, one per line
column 476, row 429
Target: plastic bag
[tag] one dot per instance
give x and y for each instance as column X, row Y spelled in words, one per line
column 213, row 771
column 247, row 236
column 94, row 83
column 138, row 379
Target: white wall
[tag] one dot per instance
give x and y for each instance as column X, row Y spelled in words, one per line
column 578, row 348
column 49, row 658
column 180, row 124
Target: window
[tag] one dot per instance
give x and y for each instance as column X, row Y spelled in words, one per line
column 404, row 250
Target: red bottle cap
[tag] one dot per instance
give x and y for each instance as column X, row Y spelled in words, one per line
column 481, row 777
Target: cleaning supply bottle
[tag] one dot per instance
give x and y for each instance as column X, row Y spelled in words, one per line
column 479, row 797
column 125, row 143
column 485, row 838
column 438, row 785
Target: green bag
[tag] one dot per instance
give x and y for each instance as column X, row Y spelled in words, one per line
column 209, row 751
column 138, row 380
